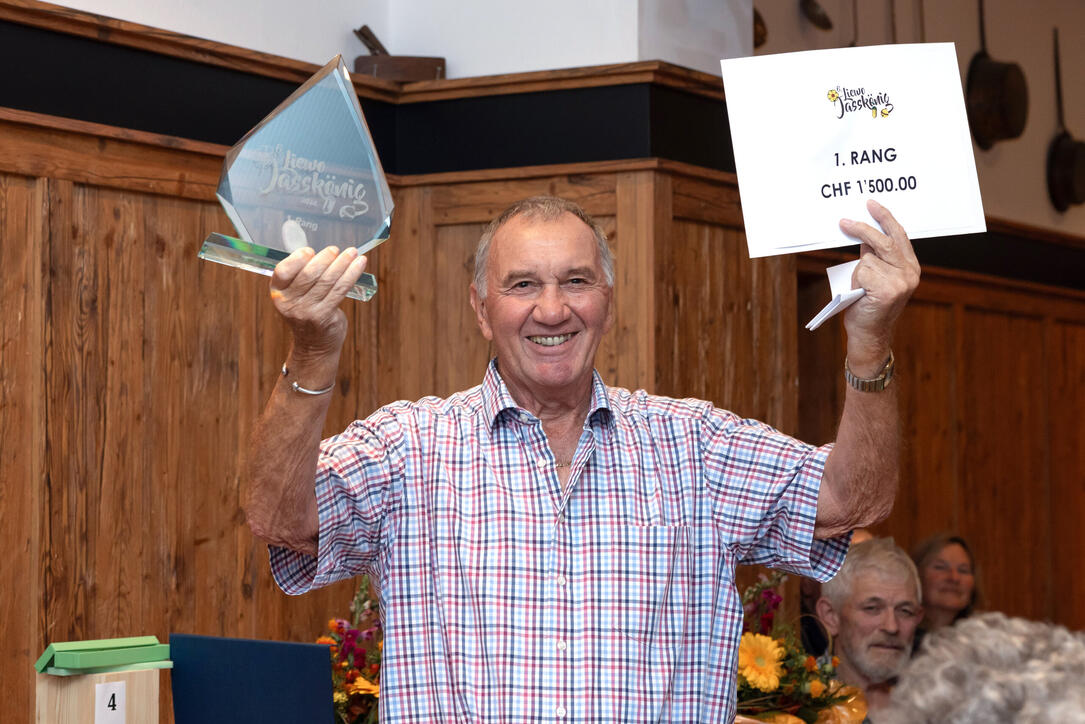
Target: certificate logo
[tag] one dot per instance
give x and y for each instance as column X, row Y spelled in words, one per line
column 849, row 100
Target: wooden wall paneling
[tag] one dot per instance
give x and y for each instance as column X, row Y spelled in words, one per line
column 925, row 346
column 643, row 213
column 459, row 351
column 774, row 373
column 1003, row 482
column 475, row 202
column 691, row 315
column 99, row 155
column 820, row 363
column 22, row 433
column 721, row 327
column 405, row 302
column 73, row 365
column 1066, row 401
column 110, row 224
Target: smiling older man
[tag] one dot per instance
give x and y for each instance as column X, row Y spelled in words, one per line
column 549, row 548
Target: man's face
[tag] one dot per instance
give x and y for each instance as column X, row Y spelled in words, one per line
column 547, row 306
column 875, row 626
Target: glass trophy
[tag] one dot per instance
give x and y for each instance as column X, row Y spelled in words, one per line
column 307, row 175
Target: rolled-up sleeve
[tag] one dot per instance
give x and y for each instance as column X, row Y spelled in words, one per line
column 764, row 487
column 359, row 476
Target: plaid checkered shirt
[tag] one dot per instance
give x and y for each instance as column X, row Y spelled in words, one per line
column 507, row 599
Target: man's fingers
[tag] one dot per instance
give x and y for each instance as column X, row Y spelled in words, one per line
column 324, row 288
column 287, row 269
column 893, row 229
column 348, row 278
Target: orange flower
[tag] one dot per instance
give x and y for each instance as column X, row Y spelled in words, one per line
column 326, row 640
column 811, row 664
column 333, row 626
column 836, row 662
column 816, row 688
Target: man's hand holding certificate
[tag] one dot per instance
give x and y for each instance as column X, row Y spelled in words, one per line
column 824, row 131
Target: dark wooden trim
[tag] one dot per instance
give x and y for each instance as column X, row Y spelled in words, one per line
column 676, row 168
column 1016, row 228
column 1030, row 297
column 650, row 71
column 41, row 120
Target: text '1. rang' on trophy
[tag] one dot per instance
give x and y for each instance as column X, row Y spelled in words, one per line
column 307, row 175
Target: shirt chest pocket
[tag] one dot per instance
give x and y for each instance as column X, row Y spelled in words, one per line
column 645, row 574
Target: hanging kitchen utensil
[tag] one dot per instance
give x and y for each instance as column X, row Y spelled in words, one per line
column 996, row 96
column 854, row 23
column 1065, row 156
column 816, row 14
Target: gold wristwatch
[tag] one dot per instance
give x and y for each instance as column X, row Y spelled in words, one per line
column 875, row 384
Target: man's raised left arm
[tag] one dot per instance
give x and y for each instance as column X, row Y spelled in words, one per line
column 860, row 478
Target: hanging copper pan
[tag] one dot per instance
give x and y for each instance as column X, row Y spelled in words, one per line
column 1065, row 155
column 996, row 96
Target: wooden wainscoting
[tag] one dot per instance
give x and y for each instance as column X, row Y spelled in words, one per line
column 992, row 380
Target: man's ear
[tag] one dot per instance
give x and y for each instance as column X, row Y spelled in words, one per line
column 479, row 305
column 828, row 615
column 610, row 312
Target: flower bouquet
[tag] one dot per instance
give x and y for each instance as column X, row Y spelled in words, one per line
column 355, row 648
column 777, row 680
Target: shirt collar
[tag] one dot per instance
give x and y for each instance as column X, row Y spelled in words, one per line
column 497, row 402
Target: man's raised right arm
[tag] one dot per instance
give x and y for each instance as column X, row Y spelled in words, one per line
column 279, row 482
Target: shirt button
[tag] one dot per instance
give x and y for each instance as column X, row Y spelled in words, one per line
column 541, row 462
column 562, row 645
column 559, row 712
column 560, row 580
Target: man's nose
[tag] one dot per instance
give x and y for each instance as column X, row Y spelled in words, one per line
column 890, row 623
column 551, row 307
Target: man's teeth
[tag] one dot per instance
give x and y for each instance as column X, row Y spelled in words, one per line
column 551, row 341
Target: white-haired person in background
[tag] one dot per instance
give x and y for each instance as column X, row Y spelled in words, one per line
column 871, row 609
column 992, row 669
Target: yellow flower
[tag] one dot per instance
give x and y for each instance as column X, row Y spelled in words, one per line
column 759, row 661
column 833, row 96
column 816, row 688
column 364, row 686
column 339, row 697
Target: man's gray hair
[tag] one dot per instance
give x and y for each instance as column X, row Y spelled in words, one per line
column 540, row 208
column 992, row 668
column 879, row 555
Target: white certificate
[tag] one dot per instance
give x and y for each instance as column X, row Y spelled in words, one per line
column 817, row 133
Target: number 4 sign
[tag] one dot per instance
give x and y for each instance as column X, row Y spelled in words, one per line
column 109, row 703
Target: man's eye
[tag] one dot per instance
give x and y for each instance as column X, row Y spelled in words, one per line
column 521, row 285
